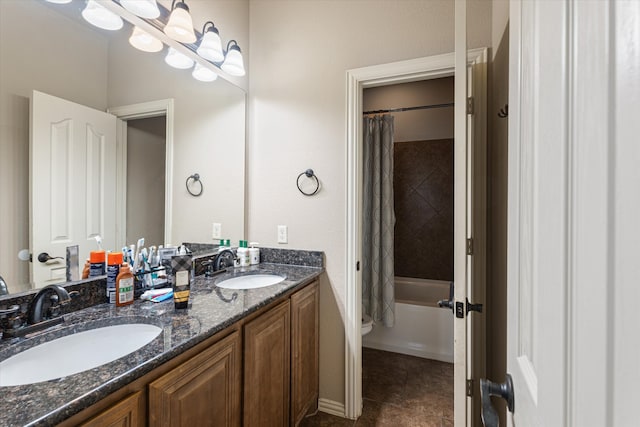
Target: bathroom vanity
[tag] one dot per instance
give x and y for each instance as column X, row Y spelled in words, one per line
column 235, row 357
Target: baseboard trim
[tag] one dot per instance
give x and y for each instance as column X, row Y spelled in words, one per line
column 331, row 407
column 410, row 351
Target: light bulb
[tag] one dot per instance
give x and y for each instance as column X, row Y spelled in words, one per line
column 178, row 60
column 101, row 17
column 203, row 74
column 143, row 8
column 180, row 25
column 144, row 41
column 233, row 63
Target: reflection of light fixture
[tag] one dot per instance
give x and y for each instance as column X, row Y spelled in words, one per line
column 180, row 25
column 178, row 60
column 144, row 41
column 210, row 46
column 59, row 1
column 101, row 17
column 233, row 63
column 203, row 73
column 143, row 8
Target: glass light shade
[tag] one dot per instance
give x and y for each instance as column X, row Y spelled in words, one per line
column 178, row 60
column 203, row 74
column 143, row 8
column 211, row 47
column 101, row 17
column 180, row 25
column 144, row 41
column 59, row 1
column 233, row 63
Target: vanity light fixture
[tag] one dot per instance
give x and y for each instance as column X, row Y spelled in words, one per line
column 203, row 73
column 210, row 46
column 233, row 63
column 143, row 8
column 144, row 41
column 180, row 25
column 59, row 1
column 178, row 60
column 98, row 15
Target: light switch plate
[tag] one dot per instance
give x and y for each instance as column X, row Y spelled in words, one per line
column 282, row 234
column 217, row 230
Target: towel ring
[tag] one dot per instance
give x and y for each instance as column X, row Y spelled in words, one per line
column 196, row 178
column 309, row 173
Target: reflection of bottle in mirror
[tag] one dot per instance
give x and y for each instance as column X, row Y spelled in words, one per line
column 254, row 253
column 114, row 260
column 97, row 259
column 124, row 286
column 86, row 269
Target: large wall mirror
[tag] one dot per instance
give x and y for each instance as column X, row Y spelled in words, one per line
column 50, row 49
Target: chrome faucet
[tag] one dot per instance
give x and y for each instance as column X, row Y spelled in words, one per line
column 58, row 297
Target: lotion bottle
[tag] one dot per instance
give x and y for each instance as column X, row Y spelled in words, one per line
column 254, row 253
column 124, row 286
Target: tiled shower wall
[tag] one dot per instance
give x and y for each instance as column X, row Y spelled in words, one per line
column 423, row 198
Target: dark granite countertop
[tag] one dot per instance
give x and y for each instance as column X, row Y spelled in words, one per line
column 211, row 310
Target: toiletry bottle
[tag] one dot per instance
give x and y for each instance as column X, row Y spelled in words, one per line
column 86, row 269
column 254, row 253
column 243, row 254
column 124, row 286
column 114, row 260
column 97, row 267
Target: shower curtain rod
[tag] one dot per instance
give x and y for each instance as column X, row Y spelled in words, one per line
column 399, row 110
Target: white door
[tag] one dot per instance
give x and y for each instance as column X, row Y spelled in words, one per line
column 72, row 183
column 573, row 341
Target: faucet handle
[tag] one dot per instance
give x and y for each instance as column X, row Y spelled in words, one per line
column 9, row 311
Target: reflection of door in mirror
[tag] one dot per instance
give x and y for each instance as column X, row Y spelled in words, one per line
column 145, row 180
column 73, row 182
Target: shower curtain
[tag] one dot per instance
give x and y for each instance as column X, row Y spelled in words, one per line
column 378, row 220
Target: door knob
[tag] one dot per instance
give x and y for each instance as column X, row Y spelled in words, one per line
column 488, row 389
column 44, row 257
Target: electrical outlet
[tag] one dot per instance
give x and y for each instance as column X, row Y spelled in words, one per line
column 282, row 234
column 217, row 230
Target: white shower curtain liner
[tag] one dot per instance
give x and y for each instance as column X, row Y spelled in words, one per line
column 378, row 220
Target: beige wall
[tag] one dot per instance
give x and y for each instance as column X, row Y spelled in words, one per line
column 42, row 50
column 497, row 149
column 415, row 125
column 300, row 52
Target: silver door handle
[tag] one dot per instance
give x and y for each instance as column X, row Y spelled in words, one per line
column 488, row 389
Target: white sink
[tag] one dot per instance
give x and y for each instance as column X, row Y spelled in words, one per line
column 75, row 353
column 252, row 281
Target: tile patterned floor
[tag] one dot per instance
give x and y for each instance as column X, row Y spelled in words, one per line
column 399, row 390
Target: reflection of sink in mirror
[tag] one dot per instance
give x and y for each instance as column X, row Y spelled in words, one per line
column 253, row 281
column 75, row 353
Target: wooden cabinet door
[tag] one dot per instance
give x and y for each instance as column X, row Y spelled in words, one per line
column 266, row 368
column 203, row 391
column 304, row 351
column 125, row 413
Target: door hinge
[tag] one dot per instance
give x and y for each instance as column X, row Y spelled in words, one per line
column 470, row 387
column 357, row 265
column 470, row 109
column 470, row 246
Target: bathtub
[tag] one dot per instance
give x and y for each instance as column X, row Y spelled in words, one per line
column 422, row 328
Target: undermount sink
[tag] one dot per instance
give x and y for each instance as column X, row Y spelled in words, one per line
column 72, row 354
column 252, row 281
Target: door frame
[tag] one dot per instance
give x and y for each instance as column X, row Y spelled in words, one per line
column 144, row 110
column 357, row 80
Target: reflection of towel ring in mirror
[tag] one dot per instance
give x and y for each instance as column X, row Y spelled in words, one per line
column 309, row 173
column 196, row 178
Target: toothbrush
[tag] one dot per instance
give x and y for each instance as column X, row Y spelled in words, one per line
column 132, row 249
column 140, row 245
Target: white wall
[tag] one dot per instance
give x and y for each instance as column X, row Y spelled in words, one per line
column 42, row 50
column 300, row 52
